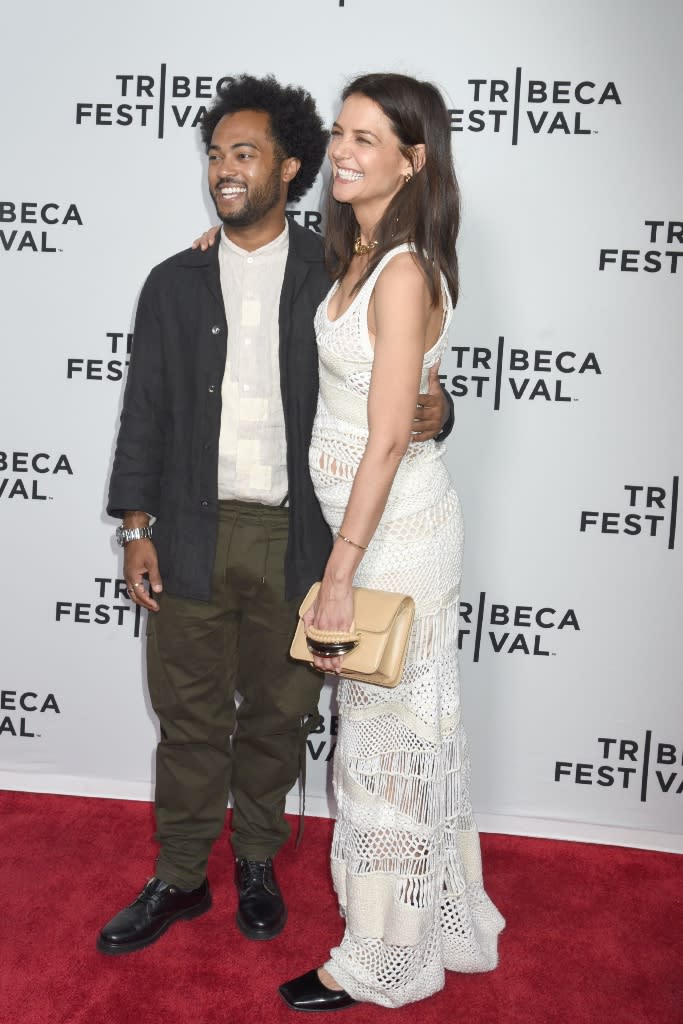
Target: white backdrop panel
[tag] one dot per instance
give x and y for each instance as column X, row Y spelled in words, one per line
column 565, row 370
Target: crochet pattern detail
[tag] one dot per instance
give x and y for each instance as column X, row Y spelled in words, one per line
column 405, row 855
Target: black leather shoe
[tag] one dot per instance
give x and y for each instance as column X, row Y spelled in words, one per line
column 261, row 912
column 309, row 993
column 146, row 920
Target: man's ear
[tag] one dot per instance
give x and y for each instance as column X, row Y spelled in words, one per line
column 289, row 169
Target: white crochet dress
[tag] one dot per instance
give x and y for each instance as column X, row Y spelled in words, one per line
column 406, row 863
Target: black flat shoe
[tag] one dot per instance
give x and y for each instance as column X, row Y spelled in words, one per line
column 157, row 907
column 308, row 993
column 261, row 912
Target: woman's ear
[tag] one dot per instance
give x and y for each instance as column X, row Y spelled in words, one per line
column 418, row 156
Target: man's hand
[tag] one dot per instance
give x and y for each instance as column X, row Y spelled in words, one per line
column 140, row 560
column 432, row 409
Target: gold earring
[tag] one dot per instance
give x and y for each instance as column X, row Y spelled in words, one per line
column 407, row 177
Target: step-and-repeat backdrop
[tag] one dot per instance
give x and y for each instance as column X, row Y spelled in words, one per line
column 566, row 368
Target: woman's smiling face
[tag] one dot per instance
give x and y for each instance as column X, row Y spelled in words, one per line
column 368, row 168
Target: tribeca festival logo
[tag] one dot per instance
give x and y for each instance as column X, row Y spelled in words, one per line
column 108, row 605
column 311, row 219
column 512, row 628
column 322, row 741
column 518, row 373
column 117, row 344
column 628, row 764
column 27, row 475
column 533, row 106
column 18, row 712
column 154, row 101
column 35, row 226
column 646, row 511
column 667, row 236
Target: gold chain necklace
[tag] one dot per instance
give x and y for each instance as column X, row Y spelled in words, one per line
column 361, row 249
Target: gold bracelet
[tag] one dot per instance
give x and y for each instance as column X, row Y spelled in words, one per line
column 351, row 542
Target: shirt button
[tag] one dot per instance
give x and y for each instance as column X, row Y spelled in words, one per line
column 247, row 341
column 205, row 503
column 250, row 259
column 215, row 329
column 245, row 387
column 212, row 388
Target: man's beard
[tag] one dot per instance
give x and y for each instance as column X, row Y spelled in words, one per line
column 257, row 204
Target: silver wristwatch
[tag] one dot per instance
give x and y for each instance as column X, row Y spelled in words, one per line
column 139, row 533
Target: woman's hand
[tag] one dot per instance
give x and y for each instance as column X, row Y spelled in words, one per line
column 333, row 611
column 206, row 240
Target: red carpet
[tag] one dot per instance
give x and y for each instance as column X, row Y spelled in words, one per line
column 594, row 933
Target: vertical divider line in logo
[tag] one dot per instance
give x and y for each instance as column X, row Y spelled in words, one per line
column 646, row 765
column 162, row 102
column 480, row 620
column 499, row 372
column 515, row 112
column 136, row 627
column 674, row 513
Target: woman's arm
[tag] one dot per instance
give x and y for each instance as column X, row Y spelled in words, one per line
column 401, row 316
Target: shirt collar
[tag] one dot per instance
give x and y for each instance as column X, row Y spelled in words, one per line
column 274, row 247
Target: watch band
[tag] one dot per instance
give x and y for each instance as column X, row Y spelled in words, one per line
column 123, row 536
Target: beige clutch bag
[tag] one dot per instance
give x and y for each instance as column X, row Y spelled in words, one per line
column 375, row 650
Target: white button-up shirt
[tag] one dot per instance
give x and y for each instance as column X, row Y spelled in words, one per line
column 252, row 452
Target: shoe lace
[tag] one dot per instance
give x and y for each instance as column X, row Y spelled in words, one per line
column 154, row 890
column 256, row 872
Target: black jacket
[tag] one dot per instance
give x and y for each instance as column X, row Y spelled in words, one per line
column 166, row 460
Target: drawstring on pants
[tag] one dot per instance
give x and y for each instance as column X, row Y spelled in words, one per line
column 311, row 724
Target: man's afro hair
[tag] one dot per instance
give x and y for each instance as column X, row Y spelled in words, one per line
column 295, row 125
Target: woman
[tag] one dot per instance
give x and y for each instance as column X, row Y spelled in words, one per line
column 405, row 854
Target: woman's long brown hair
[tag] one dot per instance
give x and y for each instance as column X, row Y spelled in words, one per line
column 426, row 211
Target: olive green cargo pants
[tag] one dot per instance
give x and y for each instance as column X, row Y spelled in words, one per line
column 198, row 655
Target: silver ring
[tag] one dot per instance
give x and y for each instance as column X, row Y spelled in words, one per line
column 136, row 585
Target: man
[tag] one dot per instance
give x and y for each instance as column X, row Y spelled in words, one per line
column 212, row 460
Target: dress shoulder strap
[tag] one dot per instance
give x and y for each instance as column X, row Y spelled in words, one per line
column 366, row 291
column 372, row 280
